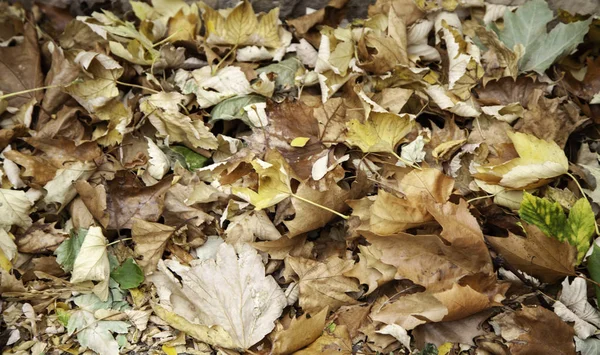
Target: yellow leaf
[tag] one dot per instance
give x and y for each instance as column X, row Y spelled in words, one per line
column 538, row 162
column 169, row 350
column 299, row 142
column 381, row 133
column 183, row 27
column 241, row 27
column 4, row 262
column 273, row 185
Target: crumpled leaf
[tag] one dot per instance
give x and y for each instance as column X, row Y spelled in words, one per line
column 7, row 245
column 273, row 185
column 301, row 331
column 231, row 292
column 100, row 86
column 169, row 122
column 572, row 306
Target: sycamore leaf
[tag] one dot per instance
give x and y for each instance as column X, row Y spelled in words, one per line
column 241, row 27
column 128, row 275
column 527, row 26
column 211, row 88
column 14, row 209
column 150, row 242
column 164, row 115
column 547, row 216
column 286, row 72
column 380, row 133
column 96, row 334
column 231, row 292
column 97, row 89
column 322, row 283
column 577, row 229
column 68, row 250
column 7, row 244
column 538, row 161
column 92, row 262
column 273, row 185
column 574, row 298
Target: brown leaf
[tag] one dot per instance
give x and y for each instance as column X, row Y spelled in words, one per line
column 65, row 125
column 537, row 254
column 506, row 91
column 369, row 270
column 279, row 249
column 310, row 217
column 20, row 68
column 535, row 330
column 322, row 284
column 178, row 212
column 59, row 151
column 331, row 342
column 249, row 226
column 550, row 120
column 330, row 15
column 36, row 167
column 406, row 9
column 41, row 237
column 62, row 72
column 150, row 241
column 411, row 311
column 590, row 85
column 460, row 331
column 301, row 332
column 94, row 199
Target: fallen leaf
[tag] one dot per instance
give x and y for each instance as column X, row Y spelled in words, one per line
column 535, row 330
column 301, row 332
column 231, row 292
column 322, row 284
column 91, row 263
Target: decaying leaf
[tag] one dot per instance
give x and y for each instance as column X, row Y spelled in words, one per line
column 231, row 292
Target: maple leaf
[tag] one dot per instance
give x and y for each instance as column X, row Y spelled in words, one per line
column 380, row 133
column 231, row 292
column 242, row 27
column 538, row 161
column 541, row 48
column 91, row 263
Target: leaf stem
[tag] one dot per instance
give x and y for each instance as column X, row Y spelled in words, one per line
column 584, row 196
column 320, row 206
column 17, row 93
column 216, row 68
column 411, row 164
column 137, row 86
column 118, row 241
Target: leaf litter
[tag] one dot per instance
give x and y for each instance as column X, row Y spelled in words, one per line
column 187, row 180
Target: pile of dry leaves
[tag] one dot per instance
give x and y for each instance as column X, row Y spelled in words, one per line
column 185, row 180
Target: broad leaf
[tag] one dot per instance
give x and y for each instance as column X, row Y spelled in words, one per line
column 231, row 292
column 285, row 71
column 527, row 27
column 128, row 275
column 67, row 251
column 233, row 108
column 92, row 263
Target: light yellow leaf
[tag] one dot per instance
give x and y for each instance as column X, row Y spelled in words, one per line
column 381, row 133
column 92, row 264
column 14, row 209
column 168, row 121
column 299, row 142
column 273, row 185
column 538, row 161
column 241, row 27
column 7, row 244
column 61, row 189
column 97, row 89
column 159, row 164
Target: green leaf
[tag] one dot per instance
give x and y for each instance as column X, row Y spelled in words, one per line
column 67, row 251
column 192, row 159
column 429, row 349
column 593, row 266
column 527, row 26
column 233, row 108
column 128, row 275
column 286, row 72
column 582, row 223
column 562, row 40
column 550, row 218
column 62, row 316
column 547, row 216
